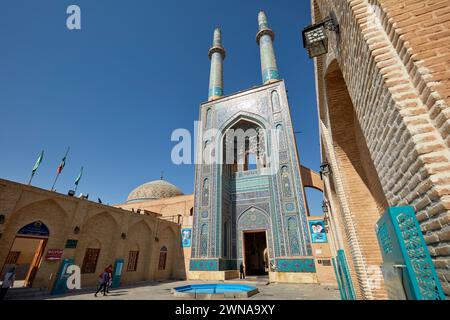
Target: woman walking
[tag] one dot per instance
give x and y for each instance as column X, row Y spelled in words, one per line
column 104, row 279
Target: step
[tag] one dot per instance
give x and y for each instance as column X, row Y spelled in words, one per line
column 25, row 293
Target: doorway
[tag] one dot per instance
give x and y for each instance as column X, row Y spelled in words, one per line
column 26, row 253
column 255, row 253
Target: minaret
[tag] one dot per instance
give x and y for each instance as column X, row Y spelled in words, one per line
column 264, row 38
column 216, row 55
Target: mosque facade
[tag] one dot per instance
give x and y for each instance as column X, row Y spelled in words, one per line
column 249, row 199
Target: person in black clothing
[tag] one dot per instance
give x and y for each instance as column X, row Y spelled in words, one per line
column 241, row 271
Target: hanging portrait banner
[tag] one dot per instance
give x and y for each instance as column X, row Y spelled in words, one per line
column 186, row 235
column 317, row 229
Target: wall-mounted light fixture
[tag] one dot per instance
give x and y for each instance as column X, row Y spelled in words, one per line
column 315, row 37
column 76, row 230
column 325, row 170
column 326, row 221
column 325, row 207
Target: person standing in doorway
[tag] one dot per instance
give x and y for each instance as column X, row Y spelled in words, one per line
column 241, row 271
column 8, row 282
column 104, row 279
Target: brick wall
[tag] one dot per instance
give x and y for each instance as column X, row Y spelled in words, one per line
column 394, row 60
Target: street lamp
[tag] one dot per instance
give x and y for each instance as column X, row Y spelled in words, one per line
column 325, row 215
column 325, row 207
column 325, row 170
column 315, row 38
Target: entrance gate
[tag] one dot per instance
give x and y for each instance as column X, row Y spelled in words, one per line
column 26, row 253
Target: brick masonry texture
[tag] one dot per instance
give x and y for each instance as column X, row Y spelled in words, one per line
column 384, row 94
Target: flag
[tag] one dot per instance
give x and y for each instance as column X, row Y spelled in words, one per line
column 38, row 162
column 77, row 180
column 62, row 164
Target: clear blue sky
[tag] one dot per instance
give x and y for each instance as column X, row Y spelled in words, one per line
column 116, row 89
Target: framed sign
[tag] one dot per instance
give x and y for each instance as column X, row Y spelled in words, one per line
column 54, row 254
column 317, row 229
column 37, row 228
column 71, row 244
column 186, row 235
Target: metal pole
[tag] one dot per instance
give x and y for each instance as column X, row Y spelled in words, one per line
column 31, row 178
column 54, row 182
column 57, row 174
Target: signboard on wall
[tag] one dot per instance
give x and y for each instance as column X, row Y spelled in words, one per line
column 71, row 244
column 317, row 229
column 37, row 228
column 54, row 254
column 186, row 235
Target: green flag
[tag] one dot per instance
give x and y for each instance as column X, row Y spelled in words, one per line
column 38, row 162
column 77, row 180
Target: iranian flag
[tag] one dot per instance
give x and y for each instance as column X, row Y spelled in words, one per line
column 61, row 165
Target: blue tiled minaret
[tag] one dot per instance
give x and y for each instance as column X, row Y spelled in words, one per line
column 264, row 38
column 216, row 55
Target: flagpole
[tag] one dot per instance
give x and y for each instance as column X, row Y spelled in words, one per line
column 58, row 173
column 31, row 178
column 54, row 182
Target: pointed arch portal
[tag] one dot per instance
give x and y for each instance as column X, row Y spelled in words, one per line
column 27, row 252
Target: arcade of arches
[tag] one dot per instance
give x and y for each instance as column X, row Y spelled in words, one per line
column 43, row 228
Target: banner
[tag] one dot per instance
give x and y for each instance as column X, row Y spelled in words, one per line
column 186, row 235
column 317, row 229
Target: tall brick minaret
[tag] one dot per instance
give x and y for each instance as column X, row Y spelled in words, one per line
column 264, row 38
column 217, row 55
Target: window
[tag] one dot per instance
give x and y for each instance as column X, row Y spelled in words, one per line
column 275, row 101
column 132, row 260
column 326, row 263
column 208, row 119
column 251, row 163
column 162, row 258
column 90, row 260
column 12, row 257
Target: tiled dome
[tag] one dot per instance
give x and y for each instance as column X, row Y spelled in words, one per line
column 154, row 190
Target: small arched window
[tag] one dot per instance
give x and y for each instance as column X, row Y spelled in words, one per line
column 191, row 211
column 275, row 101
column 162, row 258
column 208, row 119
column 281, row 139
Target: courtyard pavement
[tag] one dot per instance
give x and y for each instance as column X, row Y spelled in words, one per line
column 161, row 291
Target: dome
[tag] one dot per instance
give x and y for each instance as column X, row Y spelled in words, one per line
column 154, row 190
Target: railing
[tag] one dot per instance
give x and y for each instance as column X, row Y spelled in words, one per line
column 176, row 218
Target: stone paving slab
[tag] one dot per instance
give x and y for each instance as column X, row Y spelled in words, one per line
column 162, row 291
